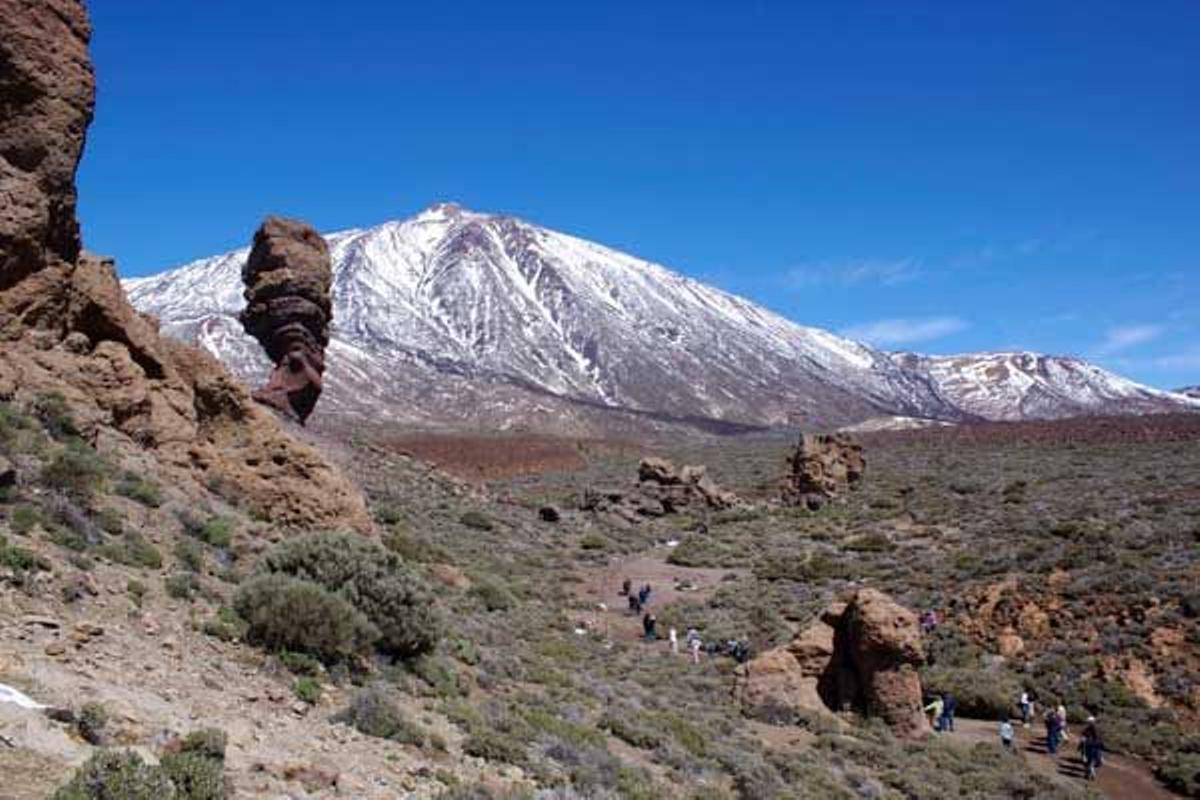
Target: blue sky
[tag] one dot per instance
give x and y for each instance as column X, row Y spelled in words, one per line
column 941, row 177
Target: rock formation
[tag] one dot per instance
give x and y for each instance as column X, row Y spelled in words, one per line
column 860, row 655
column 287, row 278
column 821, row 467
column 65, row 323
column 662, row 489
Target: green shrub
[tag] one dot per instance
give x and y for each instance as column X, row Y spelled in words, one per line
column 980, row 693
column 371, row 712
column 91, row 721
column 493, row 595
column 140, row 490
column 136, row 590
column 288, row 613
column 389, row 512
column 23, row 518
column 307, row 689
column 413, row 550
column 495, row 746
column 1181, row 773
column 477, row 520
column 133, row 551
column 225, row 625
column 52, row 412
column 182, row 586
column 299, row 663
column 20, row 560
column 374, row 581
column 189, row 555
column 77, row 471
column 441, row 674
column 218, row 531
column 117, row 775
column 194, row 776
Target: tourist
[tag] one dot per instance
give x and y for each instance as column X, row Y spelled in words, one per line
column 935, row 710
column 1006, row 734
column 949, row 706
column 1061, row 711
column 648, row 623
column 626, row 587
column 1026, row 705
column 694, row 644
column 635, row 607
column 1053, row 731
column 1092, row 746
column 673, row 637
column 644, row 595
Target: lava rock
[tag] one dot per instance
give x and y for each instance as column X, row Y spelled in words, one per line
column 288, row 278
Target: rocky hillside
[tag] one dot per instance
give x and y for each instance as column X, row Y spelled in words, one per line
column 1029, row 386
column 455, row 316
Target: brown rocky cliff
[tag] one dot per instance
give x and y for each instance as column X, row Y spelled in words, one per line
column 67, row 327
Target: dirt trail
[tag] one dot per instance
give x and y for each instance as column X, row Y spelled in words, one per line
column 669, row 584
column 1119, row 779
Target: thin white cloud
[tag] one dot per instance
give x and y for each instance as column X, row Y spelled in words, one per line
column 1187, row 359
column 1124, row 337
column 889, row 332
column 858, row 272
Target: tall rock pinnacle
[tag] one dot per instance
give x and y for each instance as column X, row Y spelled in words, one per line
column 288, row 277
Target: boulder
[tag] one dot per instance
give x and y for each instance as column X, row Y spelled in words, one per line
column 47, row 94
column 823, row 466
column 66, row 326
column 288, row 276
column 859, row 655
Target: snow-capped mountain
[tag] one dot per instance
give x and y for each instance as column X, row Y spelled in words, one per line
column 458, row 317
column 1016, row 386
column 1189, row 391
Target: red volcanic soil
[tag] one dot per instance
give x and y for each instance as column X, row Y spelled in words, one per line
column 1150, row 429
column 484, row 457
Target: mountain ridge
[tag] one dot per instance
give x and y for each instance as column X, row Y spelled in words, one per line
column 458, row 317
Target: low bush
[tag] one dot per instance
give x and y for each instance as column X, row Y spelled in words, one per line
column 117, row 775
column 77, row 471
column 182, row 586
column 373, row 580
column 133, row 550
column 307, row 689
column 493, row 595
column 52, row 412
column 140, row 490
column 1181, row 773
column 288, row 613
column 371, row 712
column 477, row 520
column 20, row 560
column 90, row 722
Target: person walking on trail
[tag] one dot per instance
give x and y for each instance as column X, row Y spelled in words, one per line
column 635, row 606
column 1025, row 704
column 694, row 644
column 1092, row 747
column 935, row 710
column 1006, row 734
column 673, row 638
column 1061, row 711
column 644, row 594
column 1053, row 731
column 626, row 587
column 648, row 623
column 949, row 706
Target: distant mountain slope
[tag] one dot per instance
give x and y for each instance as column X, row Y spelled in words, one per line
column 457, row 317
column 1189, row 391
column 1016, row 386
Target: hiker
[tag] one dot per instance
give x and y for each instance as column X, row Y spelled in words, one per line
column 1026, row 706
column 935, row 710
column 1092, row 747
column 949, row 706
column 1006, row 734
column 648, row 623
column 673, row 637
column 1053, row 731
column 694, row 644
column 929, row 621
column 626, row 587
column 635, row 607
column 1061, row 711
column 644, row 594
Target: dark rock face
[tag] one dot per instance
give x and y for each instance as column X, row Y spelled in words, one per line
column 823, row 466
column 47, row 93
column 288, row 277
column 859, row 655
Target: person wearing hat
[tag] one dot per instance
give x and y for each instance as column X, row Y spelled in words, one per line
column 1092, row 747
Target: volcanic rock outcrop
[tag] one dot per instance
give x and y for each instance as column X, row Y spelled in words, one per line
column 821, row 467
column 859, row 655
column 67, row 328
column 287, row 278
column 662, row 489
